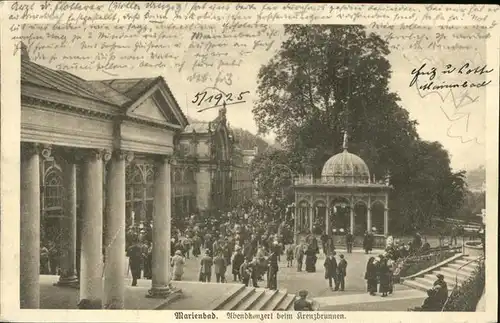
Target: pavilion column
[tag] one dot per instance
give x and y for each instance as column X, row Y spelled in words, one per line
column 92, row 212
column 115, row 266
column 310, row 214
column 68, row 225
column 29, row 272
column 369, row 219
column 327, row 222
column 351, row 216
column 386, row 221
column 160, row 285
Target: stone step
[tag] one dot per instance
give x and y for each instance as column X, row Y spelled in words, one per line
column 248, row 303
column 426, row 281
column 416, row 285
column 454, row 272
column 465, row 262
column 292, row 303
column 468, row 268
column 451, row 276
column 469, row 258
column 264, row 300
column 239, row 298
column 228, row 296
column 287, row 303
column 275, row 300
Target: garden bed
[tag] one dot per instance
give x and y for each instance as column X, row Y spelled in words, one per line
column 466, row 297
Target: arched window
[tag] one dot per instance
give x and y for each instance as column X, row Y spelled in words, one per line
column 53, row 194
column 150, row 181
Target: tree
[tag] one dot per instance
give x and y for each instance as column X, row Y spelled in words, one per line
column 327, row 79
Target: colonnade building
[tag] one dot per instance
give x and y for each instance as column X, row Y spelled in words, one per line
column 100, row 156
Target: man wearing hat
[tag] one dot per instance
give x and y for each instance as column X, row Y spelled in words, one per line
column 303, row 304
column 442, row 293
column 236, row 263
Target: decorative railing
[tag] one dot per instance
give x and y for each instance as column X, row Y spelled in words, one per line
column 338, row 180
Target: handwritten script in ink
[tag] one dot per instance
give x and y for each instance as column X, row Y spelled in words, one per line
column 216, row 98
column 463, row 72
column 209, row 43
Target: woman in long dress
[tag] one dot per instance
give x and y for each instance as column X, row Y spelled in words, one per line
column 310, row 260
column 371, row 276
column 384, row 276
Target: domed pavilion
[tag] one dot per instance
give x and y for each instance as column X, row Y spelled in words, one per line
column 345, row 198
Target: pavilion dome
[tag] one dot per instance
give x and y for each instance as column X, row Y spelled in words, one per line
column 346, row 167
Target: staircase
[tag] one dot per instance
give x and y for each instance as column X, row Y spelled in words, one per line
column 450, row 271
column 257, row 299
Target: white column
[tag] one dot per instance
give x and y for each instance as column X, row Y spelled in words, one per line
column 369, row 214
column 68, row 225
column 351, row 215
column 92, row 211
column 386, row 221
column 161, row 287
column 369, row 219
column 327, row 220
column 115, row 266
column 30, row 227
column 310, row 214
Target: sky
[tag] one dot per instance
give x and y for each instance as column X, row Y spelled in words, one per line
column 436, row 114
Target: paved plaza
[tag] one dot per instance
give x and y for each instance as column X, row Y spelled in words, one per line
column 354, row 298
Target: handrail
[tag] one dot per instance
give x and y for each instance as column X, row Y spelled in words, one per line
column 479, row 259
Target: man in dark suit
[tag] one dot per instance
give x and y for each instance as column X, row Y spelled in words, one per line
column 349, row 241
column 331, row 269
column 135, row 257
column 341, row 273
column 272, row 281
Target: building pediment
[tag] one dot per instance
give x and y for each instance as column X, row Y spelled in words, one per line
column 159, row 106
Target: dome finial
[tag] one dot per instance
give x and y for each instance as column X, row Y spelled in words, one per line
column 345, row 140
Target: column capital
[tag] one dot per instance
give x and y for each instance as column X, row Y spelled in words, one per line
column 29, row 149
column 165, row 159
column 119, row 154
column 94, row 154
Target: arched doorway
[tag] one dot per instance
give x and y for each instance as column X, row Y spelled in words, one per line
column 377, row 212
column 360, row 218
column 319, row 217
column 52, row 206
column 303, row 217
column 139, row 198
column 340, row 214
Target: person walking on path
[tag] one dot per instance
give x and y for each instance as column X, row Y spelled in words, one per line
column 384, row 276
column 134, row 254
column 236, row 263
column 349, row 241
column 341, row 273
column 272, row 281
column 371, row 276
column 206, row 267
column 289, row 255
column 177, row 263
column 299, row 255
column 245, row 271
column 220, row 268
column 331, row 269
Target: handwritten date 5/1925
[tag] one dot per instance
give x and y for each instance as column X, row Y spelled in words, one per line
column 216, row 98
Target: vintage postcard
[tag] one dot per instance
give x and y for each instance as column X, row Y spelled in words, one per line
column 195, row 161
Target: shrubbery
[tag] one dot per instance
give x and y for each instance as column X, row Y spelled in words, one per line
column 466, row 297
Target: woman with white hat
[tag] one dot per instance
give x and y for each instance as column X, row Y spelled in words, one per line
column 177, row 263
